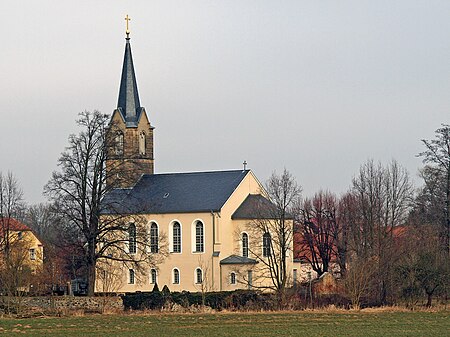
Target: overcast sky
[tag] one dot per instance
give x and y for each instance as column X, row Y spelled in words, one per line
column 317, row 87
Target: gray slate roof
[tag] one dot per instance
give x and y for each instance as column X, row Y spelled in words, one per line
column 128, row 104
column 236, row 259
column 174, row 193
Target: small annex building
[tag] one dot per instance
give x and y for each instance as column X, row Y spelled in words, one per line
column 200, row 218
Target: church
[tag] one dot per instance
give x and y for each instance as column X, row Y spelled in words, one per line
column 201, row 219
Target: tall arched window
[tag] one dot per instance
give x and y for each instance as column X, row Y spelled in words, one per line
column 153, row 276
column 244, row 244
column 154, row 238
column 142, row 143
column 266, row 245
column 176, row 276
column 198, row 276
column 132, row 239
column 199, row 237
column 176, row 238
column 118, row 144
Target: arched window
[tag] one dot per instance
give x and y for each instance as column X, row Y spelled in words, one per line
column 244, row 244
column 118, row 144
column 131, row 276
column 266, row 245
column 176, row 238
column 233, row 278
column 199, row 237
column 176, row 276
column 132, row 239
column 198, row 276
column 142, row 143
column 153, row 276
column 154, row 238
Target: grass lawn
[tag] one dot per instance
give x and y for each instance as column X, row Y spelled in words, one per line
column 237, row 324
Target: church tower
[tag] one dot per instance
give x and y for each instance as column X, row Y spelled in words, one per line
column 130, row 134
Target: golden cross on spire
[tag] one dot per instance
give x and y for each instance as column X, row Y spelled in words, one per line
column 127, row 19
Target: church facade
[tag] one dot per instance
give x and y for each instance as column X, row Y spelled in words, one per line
column 198, row 224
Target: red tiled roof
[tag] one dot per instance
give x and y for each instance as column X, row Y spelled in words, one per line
column 12, row 225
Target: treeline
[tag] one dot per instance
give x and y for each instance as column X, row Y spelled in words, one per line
column 389, row 242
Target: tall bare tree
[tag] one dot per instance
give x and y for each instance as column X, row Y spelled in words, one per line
column 437, row 157
column 272, row 232
column 383, row 196
column 11, row 205
column 77, row 191
column 318, row 229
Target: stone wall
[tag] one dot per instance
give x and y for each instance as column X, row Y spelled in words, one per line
column 71, row 303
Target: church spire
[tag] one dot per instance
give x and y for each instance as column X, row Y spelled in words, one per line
column 128, row 103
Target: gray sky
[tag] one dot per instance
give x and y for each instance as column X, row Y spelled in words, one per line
column 317, row 87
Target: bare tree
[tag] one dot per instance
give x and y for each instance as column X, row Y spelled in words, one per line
column 383, row 196
column 272, row 232
column 437, row 156
column 358, row 280
column 78, row 192
column 318, row 229
column 11, row 204
column 424, row 269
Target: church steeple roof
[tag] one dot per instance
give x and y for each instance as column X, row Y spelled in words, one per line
column 128, row 103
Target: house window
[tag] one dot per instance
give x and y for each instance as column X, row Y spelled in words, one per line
column 199, row 238
column 266, row 244
column 244, row 244
column 118, row 144
column 142, row 143
column 132, row 239
column 154, row 238
column 198, row 276
column 176, row 276
column 19, row 235
column 176, row 238
column 32, row 254
column 153, row 276
column 233, row 278
column 131, row 276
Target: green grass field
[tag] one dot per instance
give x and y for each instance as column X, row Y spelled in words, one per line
column 237, row 324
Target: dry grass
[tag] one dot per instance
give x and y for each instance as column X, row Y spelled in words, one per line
column 325, row 322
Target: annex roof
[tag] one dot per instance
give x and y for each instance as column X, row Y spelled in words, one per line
column 255, row 206
column 175, row 193
column 236, row 259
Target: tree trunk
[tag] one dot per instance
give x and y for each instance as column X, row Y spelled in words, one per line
column 91, row 262
column 429, row 299
column 91, row 278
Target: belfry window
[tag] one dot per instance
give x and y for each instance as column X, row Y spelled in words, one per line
column 118, row 144
column 142, row 143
